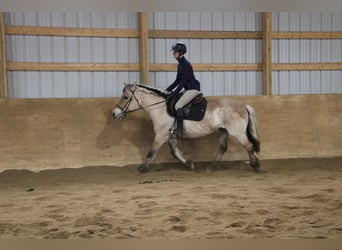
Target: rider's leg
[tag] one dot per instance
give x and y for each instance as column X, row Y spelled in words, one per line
column 185, row 99
column 179, row 119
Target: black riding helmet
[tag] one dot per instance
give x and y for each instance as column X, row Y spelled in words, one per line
column 179, row 47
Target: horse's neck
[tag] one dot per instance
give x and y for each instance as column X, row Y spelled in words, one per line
column 147, row 100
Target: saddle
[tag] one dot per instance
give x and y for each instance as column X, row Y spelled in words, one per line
column 194, row 110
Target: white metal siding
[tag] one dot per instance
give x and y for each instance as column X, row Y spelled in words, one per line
column 307, row 51
column 227, row 21
column 72, row 50
column 211, row 50
column 122, row 50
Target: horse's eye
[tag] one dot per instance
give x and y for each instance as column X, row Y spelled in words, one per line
column 125, row 97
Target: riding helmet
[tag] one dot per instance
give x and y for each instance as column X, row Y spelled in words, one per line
column 179, row 47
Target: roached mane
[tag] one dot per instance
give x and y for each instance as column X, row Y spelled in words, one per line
column 149, row 89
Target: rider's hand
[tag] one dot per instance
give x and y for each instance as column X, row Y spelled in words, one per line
column 169, row 96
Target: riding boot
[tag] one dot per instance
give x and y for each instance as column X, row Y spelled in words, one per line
column 179, row 117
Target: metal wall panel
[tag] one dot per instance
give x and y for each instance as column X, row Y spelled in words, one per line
column 210, row 50
column 68, row 84
column 115, row 20
column 307, row 51
column 215, row 20
column 73, row 50
column 307, row 82
column 122, row 50
column 218, row 83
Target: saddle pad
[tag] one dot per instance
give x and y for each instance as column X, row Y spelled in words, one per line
column 194, row 111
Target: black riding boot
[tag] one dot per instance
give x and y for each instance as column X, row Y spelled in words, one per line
column 179, row 117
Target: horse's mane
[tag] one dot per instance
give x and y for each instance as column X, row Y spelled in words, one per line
column 152, row 90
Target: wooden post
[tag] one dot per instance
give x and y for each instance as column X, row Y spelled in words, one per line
column 143, row 48
column 267, row 53
column 3, row 71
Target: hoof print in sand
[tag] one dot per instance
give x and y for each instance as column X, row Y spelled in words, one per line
column 179, row 228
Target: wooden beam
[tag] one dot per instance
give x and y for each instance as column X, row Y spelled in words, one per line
column 73, row 32
column 267, row 53
column 157, row 67
column 189, row 34
column 34, row 66
column 129, row 33
column 307, row 35
column 165, row 67
column 184, row 34
column 306, row 66
column 3, row 70
column 143, row 48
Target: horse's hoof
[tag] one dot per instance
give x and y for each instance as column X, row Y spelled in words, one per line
column 256, row 169
column 142, row 170
column 191, row 165
column 255, row 166
column 210, row 169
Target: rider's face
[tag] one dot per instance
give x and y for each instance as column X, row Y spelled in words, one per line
column 176, row 54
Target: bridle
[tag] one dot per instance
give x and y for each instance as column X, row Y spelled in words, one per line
column 125, row 108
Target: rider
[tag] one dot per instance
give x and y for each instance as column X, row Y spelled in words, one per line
column 185, row 79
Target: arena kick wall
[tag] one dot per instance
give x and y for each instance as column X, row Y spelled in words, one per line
column 38, row 134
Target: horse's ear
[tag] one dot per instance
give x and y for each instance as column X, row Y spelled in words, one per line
column 125, row 84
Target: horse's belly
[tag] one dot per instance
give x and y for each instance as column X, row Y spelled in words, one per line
column 194, row 129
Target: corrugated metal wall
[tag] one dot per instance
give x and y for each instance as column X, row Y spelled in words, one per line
column 211, row 50
column 112, row 50
column 69, row 49
column 306, row 51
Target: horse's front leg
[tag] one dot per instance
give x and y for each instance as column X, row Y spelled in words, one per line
column 151, row 155
column 178, row 154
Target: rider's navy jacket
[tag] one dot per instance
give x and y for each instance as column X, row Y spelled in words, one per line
column 185, row 77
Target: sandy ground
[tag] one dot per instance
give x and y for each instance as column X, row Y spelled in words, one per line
column 288, row 199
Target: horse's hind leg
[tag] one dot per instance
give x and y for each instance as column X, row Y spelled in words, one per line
column 253, row 159
column 223, row 140
column 178, row 154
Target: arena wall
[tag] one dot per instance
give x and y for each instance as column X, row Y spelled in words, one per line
column 38, row 134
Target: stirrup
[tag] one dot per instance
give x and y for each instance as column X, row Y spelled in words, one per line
column 175, row 133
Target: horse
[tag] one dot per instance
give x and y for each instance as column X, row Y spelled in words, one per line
column 227, row 116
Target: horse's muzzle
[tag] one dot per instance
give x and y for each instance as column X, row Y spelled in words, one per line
column 118, row 114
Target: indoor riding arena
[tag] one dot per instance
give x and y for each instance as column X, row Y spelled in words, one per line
column 69, row 170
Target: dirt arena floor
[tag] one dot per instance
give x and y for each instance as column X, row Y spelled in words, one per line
column 288, row 199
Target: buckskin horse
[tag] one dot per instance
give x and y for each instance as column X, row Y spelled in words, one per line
column 227, row 116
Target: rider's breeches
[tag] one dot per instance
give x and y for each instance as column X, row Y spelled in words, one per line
column 186, row 98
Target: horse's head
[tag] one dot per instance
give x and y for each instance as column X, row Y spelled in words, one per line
column 127, row 103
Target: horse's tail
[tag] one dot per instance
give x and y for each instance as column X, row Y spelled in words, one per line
column 252, row 131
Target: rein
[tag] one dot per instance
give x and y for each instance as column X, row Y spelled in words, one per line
column 142, row 107
column 124, row 109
